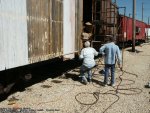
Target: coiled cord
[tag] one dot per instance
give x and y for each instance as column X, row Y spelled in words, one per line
column 116, row 91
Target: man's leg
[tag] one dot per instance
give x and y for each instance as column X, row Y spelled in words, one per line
column 90, row 75
column 82, row 74
column 106, row 74
column 112, row 74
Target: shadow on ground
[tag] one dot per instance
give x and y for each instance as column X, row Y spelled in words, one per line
column 136, row 51
column 40, row 72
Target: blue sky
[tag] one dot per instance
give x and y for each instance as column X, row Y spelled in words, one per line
column 129, row 4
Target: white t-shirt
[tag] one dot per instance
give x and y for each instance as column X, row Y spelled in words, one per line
column 87, row 54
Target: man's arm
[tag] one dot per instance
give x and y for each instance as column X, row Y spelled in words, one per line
column 81, row 55
column 119, row 58
column 101, row 50
column 95, row 52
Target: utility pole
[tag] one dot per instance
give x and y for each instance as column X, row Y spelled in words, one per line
column 133, row 26
column 148, row 20
column 142, row 11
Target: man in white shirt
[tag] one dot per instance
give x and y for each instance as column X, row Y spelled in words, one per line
column 87, row 54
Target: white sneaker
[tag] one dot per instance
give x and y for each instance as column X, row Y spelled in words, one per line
column 84, row 81
column 104, row 85
column 113, row 85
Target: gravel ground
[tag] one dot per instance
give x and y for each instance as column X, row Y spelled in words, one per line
column 67, row 95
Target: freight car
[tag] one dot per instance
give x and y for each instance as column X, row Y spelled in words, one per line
column 32, row 31
column 125, row 31
column 36, row 31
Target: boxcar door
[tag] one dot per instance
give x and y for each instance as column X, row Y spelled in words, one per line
column 44, row 29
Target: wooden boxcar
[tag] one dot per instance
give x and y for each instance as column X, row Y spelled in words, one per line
column 32, row 31
column 125, row 30
column 37, row 30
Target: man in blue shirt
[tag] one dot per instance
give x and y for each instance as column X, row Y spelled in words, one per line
column 87, row 54
column 111, row 53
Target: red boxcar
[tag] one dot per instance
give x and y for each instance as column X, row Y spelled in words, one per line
column 125, row 30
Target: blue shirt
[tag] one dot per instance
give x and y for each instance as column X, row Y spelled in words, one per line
column 87, row 54
column 110, row 52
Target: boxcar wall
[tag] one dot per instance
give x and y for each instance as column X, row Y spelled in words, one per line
column 32, row 31
column 13, row 34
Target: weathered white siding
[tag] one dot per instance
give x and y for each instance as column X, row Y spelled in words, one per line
column 69, row 28
column 13, row 34
column 37, row 30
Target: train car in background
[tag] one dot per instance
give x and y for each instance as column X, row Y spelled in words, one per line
column 32, row 31
column 125, row 31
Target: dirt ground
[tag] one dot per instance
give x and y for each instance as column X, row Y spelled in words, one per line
column 66, row 94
